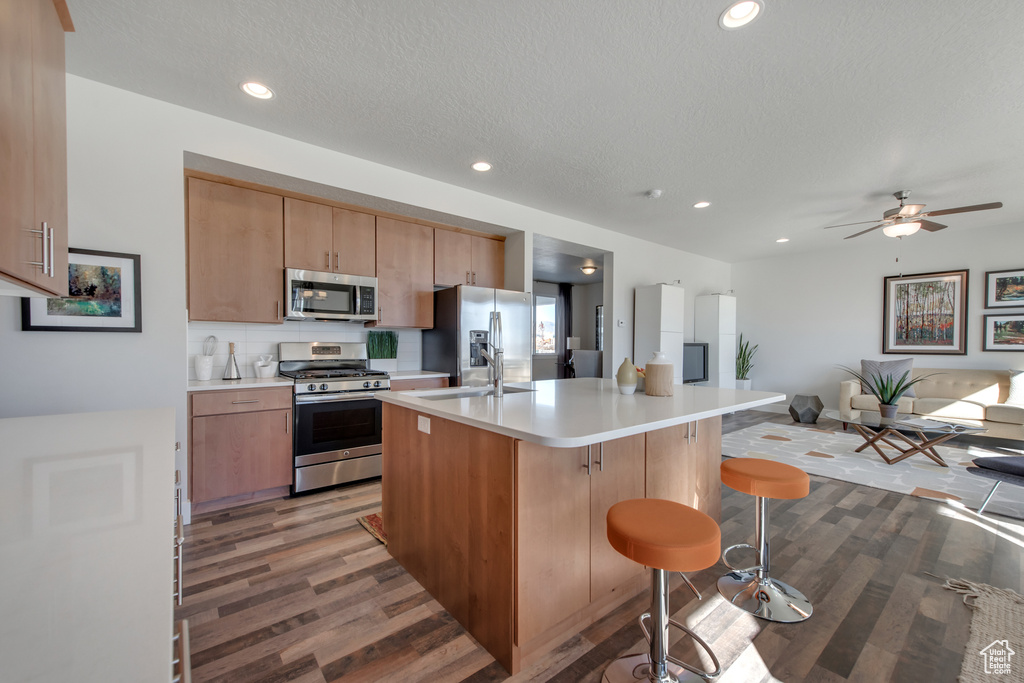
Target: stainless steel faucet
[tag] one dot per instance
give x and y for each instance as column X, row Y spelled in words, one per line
column 495, row 363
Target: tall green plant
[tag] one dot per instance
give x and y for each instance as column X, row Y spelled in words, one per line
column 744, row 358
column 886, row 388
column 382, row 344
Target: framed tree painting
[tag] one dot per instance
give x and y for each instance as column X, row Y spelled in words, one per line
column 1003, row 333
column 926, row 313
column 1004, row 288
column 105, row 295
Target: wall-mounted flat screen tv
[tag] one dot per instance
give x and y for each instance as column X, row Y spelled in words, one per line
column 695, row 362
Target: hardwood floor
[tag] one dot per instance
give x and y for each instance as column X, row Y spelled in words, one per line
column 294, row 589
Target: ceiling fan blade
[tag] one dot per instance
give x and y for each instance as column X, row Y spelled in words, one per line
column 846, row 225
column 863, row 232
column 931, row 226
column 910, row 209
column 965, row 209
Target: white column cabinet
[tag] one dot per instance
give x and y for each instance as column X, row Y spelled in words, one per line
column 714, row 322
column 659, row 316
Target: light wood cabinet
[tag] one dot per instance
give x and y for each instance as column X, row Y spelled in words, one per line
column 405, row 274
column 328, row 239
column 461, row 259
column 683, row 464
column 241, row 442
column 235, row 253
column 564, row 560
column 33, row 166
column 423, row 383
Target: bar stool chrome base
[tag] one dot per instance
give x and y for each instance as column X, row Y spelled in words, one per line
column 633, row 668
column 767, row 598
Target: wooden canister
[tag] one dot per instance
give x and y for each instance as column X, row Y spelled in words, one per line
column 659, row 375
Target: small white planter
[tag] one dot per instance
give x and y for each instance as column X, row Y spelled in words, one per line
column 384, row 364
column 744, row 384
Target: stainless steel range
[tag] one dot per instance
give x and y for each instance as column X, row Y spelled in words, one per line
column 337, row 435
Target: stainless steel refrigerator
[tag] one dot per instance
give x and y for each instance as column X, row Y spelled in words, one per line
column 463, row 326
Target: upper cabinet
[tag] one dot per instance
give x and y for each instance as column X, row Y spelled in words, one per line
column 235, row 253
column 33, row 167
column 461, row 259
column 405, row 274
column 329, row 239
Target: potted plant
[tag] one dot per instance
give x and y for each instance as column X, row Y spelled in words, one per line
column 887, row 389
column 382, row 350
column 744, row 363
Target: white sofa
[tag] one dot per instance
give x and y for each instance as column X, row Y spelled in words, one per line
column 972, row 395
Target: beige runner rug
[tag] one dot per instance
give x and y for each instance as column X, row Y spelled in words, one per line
column 995, row 650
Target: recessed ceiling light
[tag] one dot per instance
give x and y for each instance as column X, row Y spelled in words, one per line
column 481, row 166
column 739, row 14
column 257, row 90
column 588, row 270
column 702, row 205
column 782, row 239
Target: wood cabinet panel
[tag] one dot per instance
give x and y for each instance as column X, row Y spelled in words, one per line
column 426, row 383
column 488, row 262
column 553, row 549
column 683, row 464
column 618, row 474
column 405, row 274
column 453, row 258
column 355, row 243
column 33, row 164
column 240, row 401
column 308, row 235
column 241, row 453
column 235, row 253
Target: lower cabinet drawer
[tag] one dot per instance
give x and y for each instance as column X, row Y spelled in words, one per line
column 241, row 400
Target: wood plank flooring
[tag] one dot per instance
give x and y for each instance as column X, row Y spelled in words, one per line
column 293, row 589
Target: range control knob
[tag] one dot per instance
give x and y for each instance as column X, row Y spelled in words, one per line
column 377, row 383
column 323, row 387
column 366, row 385
column 312, row 387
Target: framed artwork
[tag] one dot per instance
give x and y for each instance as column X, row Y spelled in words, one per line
column 105, row 295
column 925, row 313
column 1004, row 288
column 1004, row 333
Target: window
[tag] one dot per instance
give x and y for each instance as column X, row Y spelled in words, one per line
column 544, row 320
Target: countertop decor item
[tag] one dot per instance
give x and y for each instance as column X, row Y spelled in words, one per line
column 382, row 349
column 626, row 377
column 658, row 372
column 265, row 366
column 231, row 369
column 105, row 295
column 204, row 363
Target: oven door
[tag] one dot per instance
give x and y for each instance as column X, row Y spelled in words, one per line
column 337, row 425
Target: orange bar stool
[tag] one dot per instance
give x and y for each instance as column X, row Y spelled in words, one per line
column 754, row 589
column 667, row 537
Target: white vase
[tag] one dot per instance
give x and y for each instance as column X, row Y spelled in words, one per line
column 384, row 364
column 744, row 384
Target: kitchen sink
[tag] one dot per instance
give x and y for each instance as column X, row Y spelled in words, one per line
column 472, row 392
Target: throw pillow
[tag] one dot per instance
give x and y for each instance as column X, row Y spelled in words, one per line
column 1016, row 397
column 893, row 368
column 1013, row 464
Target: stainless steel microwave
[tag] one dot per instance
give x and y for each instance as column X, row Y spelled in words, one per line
column 313, row 295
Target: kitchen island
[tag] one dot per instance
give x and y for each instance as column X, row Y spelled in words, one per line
column 497, row 505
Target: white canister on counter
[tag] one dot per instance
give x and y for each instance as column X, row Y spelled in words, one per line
column 204, row 367
column 659, row 371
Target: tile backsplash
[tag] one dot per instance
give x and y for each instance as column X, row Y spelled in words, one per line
column 252, row 339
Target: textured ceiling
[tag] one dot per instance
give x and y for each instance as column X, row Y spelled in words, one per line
column 811, row 116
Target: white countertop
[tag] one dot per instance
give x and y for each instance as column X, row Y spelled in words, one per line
column 576, row 412
column 86, row 541
column 244, row 383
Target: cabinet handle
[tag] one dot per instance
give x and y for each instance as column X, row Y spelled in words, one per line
column 328, row 255
column 474, row 277
column 696, row 425
column 600, row 463
column 689, row 432
column 587, row 466
column 255, row 400
column 52, row 269
column 278, row 310
column 287, row 427
column 467, row 277
column 337, row 260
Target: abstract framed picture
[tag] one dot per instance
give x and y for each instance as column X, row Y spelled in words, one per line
column 1004, row 332
column 1004, row 288
column 105, row 295
column 925, row 313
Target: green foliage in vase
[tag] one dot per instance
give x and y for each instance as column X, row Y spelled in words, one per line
column 382, row 344
column 744, row 358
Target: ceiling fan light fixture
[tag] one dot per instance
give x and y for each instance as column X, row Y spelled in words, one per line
column 901, row 229
column 739, row 14
column 588, row 270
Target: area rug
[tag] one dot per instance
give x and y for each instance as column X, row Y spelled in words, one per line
column 831, row 454
column 995, row 650
column 375, row 525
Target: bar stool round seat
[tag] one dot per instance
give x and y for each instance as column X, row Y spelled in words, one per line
column 665, row 536
column 754, row 589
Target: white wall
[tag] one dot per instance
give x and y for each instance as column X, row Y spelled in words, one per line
column 810, row 312
column 126, row 194
column 585, row 300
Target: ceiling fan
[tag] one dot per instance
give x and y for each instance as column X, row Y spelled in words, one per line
column 909, row 218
